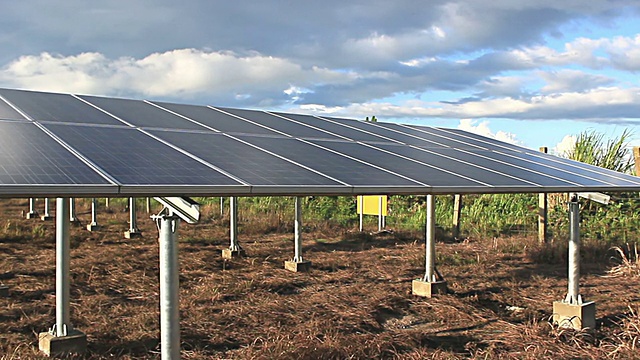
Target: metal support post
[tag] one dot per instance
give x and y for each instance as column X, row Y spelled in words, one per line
column 221, row 206
column 361, row 212
column 169, row 286
column 573, row 292
column 63, row 260
column 430, row 242
column 106, row 202
column 133, row 228
column 94, row 216
column 457, row 210
column 72, row 210
column 148, row 205
column 298, row 231
column 46, row 216
column 32, row 209
column 572, row 312
column 542, row 211
column 233, row 220
column 432, row 283
column 380, row 226
column 73, row 340
column 298, row 263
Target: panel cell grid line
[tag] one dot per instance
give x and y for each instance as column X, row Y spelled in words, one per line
column 42, row 106
column 459, row 168
column 216, row 119
column 28, row 156
column 133, row 158
column 252, row 165
column 331, row 164
column 575, row 169
column 353, row 134
column 280, row 124
column 430, row 134
column 403, row 138
column 141, row 114
column 9, row 113
column 470, row 138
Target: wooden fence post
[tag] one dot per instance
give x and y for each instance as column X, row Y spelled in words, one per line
column 457, row 208
column 542, row 211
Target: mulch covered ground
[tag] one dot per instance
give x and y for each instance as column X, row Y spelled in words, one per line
column 356, row 303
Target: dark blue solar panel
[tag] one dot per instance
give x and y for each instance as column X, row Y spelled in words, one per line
column 381, row 131
column 425, row 174
column 141, row 114
column 29, row 156
column 431, row 135
column 254, row 166
column 334, row 165
column 335, row 128
column 133, row 158
column 7, row 112
column 280, row 124
column 56, row 107
column 216, row 119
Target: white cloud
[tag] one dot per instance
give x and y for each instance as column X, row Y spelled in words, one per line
column 482, row 128
column 565, row 145
column 185, row 72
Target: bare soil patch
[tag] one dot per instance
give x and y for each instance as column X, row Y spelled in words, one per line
column 356, row 303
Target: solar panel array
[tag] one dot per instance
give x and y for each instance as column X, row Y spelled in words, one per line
column 65, row 144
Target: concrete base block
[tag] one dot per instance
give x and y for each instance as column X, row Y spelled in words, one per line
column 4, row 291
column 428, row 289
column 132, row 234
column 93, row 227
column 46, row 217
column 32, row 215
column 230, row 254
column 74, row 343
column 573, row 316
column 303, row 266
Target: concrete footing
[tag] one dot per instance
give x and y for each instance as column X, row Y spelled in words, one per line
column 302, row 266
column 132, row 234
column 230, row 254
column 74, row 343
column 4, row 291
column 46, row 218
column 577, row 317
column 32, row 215
column 428, row 289
column 94, row 227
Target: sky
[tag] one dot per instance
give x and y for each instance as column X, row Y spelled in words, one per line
column 533, row 73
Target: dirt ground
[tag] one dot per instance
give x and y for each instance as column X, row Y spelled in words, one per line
column 356, row 303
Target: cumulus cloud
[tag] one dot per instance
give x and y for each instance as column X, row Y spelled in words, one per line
column 565, row 146
column 178, row 73
column 482, row 128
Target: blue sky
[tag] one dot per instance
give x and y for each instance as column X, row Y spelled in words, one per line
column 528, row 72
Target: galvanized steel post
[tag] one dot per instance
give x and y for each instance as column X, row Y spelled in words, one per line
column 380, row 213
column 72, row 210
column 361, row 207
column 46, row 208
column 133, row 227
column 573, row 293
column 430, row 236
column 298, row 231
column 233, row 223
column 169, row 286
column 62, row 326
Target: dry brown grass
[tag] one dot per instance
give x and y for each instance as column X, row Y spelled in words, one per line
column 356, row 303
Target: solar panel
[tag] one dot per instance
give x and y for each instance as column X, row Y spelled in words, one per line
column 133, row 158
column 336, row 128
column 384, row 132
column 56, row 107
column 216, row 119
column 280, row 124
column 174, row 149
column 8, row 113
column 254, row 166
column 139, row 113
column 28, row 156
column 338, row 167
column 427, row 174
